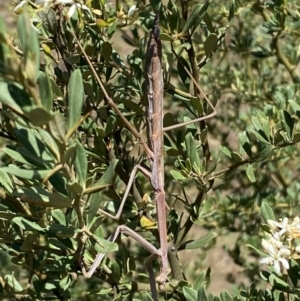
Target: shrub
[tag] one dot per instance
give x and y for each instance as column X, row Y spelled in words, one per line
column 69, row 146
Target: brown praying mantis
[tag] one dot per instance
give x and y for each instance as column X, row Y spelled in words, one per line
column 154, row 151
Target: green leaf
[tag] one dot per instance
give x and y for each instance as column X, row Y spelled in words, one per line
column 208, row 278
column 103, row 245
column 208, row 21
column 202, row 296
column 38, row 116
column 173, row 17
column 198, row 243
column 231, row 12
column 259, row 252
column 80, row 164
column 192, row 153
column 58, row 128
column 70, row 153
column 75, row 188
column 147, row 297
column 51, row 144
column 265, row 153
column 61, row 243
column 195, row 17
column 168, row 119
column 26, row 157
column 59, row 183
column 51, row 285
column 185, row 78
column 296, row 138
column 236, row 157
column 287, row 123
column 267, row 212
column 7, row 97
column 31, row 141
column 73, row 59
column 190, row 294
column 106, row 50
column 225, row 150
column 293, row 272
column 27, row 225
column 3, row 32
column 261, row 136
column 116, row 269
column 206, row 208
column 34, row 195
column 5, row 181
column 295, row 106
column 95, row 202
column 197, row 105
column 37, row 284
column 16, row 156
column 257, row 124
column 30, row 46
column 13, row 283
column 59, row 216
column 245, row 143
column 110, row 124
column 211, row 45
column 26, row 174
column 266, row 128
column 172, row 152
column 279, row 284
column 200, row 280
column 104, row 291
column 212, row 167
column 188, row 165
column 65, row 282
column 225, row 296
column 107, row 177
column 250, row 173
column 177, row 175
column 45, row 88
column 75, row 99
column 61, row 231
column 58, row 200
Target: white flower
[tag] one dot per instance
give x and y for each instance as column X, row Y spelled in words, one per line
column 278, row 256
column 275, row 240
column 131, row 10
column 294, row 228
column 282, row 225
column 74, row 7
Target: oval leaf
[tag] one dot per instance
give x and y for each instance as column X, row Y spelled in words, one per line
column 75, row 99
column 211, row 45
column 198, row 243
column 250, row 173
column 80, row 164
column 195, row 17
column 267, row 212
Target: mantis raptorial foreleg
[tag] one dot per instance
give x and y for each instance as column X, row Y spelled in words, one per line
column 126, row 230
column 147, row 245
column 134, row 171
